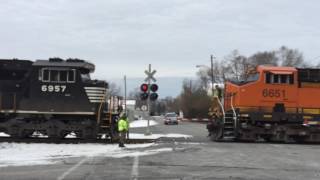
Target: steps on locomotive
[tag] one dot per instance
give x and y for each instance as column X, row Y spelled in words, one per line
column 104, row 123
column 105, row 120
column 229, row 127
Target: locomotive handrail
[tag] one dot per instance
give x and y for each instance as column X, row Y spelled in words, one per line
column 222, row 108
column 100, row 107
column 233, row 110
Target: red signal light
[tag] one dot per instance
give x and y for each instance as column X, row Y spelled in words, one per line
column 144, row 87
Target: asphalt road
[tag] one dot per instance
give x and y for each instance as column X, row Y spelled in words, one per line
column 187, row 159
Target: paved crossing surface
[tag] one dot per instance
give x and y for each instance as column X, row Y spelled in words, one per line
column 184, row 159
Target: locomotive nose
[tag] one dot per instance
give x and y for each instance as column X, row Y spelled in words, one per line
column 99, row 83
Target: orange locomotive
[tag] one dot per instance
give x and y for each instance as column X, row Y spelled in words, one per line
column 273, row 103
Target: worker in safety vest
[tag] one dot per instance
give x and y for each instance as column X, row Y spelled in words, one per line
column 215, row 109
column 123, row 128
column 217, row 92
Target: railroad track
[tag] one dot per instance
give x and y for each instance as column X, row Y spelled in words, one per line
column 71, row 140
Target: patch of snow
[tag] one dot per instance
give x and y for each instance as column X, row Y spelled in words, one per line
column 2, row 134
column 157, row 136
column 39, row 135
column 142, row 153
column 23, row 154
column 142, row 123
column 71, row 135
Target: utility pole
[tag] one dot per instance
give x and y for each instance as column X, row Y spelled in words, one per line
column 125, row 94
column 212, row 76
column 125, row 100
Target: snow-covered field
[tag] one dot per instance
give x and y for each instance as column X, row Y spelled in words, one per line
column 22, row 154
column 142, row 123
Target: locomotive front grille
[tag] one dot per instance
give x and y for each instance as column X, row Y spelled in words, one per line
column 96, row 94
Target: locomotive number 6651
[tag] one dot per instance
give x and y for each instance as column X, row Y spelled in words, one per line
column 276, row 93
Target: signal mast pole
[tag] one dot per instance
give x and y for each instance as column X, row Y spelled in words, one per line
column 148, row 105
column 125, row 94
column 150, row 77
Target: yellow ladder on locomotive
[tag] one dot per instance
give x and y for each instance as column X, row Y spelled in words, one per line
column 108, row 116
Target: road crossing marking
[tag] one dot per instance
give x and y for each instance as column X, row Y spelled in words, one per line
column 135, row 168
column 72, row 169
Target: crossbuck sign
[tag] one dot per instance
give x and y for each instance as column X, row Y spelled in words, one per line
column 150, row 74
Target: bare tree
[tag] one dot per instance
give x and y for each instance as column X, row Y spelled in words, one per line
column 204, row 77
column 266, row 57
column 237, row 66
column 114, row 90
column 290, row 57
column 194, row 101
column 135, row 95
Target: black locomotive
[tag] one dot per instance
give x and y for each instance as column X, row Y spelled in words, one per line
column 54, row 97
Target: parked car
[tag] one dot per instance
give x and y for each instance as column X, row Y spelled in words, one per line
column 171, row 118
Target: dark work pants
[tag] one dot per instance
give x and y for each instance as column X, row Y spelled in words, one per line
column 122, row 138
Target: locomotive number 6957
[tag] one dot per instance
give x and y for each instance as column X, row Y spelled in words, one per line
column 53, row 88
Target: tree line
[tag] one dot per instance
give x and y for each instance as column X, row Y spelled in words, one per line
column 194, row 100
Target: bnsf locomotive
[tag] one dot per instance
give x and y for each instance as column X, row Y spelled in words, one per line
column 54, row 97
column 274, row 104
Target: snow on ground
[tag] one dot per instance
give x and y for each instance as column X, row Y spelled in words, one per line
column 22, row 154
column 157, row 136
column 142, row 123
column 39, row 135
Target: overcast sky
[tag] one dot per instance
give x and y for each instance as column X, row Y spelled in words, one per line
column 123, row 36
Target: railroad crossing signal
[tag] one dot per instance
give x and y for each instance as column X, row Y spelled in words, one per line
column 149, row 90
column 146, row 91
column 150, row 75
column 144, row 94
column 154, row 88
column 144, row 87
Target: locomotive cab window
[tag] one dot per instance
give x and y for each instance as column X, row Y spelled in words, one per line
column 72, row 76
column 273, row 78
column 85, row 74
column 63, row 76
column 45, row 75
column 54, row 76
column 58, row 76
column 85, row 77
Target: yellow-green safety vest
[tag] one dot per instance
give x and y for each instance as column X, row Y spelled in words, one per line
column 123, row 125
